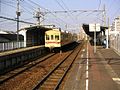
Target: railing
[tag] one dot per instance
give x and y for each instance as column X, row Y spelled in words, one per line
column 11, row 45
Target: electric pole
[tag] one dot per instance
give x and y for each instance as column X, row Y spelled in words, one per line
column 104, row 12
column 95, row 39
column 18, row 14
column 38, row 15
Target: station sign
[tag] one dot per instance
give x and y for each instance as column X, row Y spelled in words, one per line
column 94, row 27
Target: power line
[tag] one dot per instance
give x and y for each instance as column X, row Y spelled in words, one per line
column 99, row 4
column 26, row 9
column 28, row 5
column 8, row 4
column 69, row 14
column 47, row 11
column 65, row 5
column 60, row 4
column 15, row 20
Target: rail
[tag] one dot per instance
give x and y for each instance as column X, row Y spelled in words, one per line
column 22, row 69
column 59, row 67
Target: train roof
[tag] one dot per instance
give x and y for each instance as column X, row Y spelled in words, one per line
column 58, row 29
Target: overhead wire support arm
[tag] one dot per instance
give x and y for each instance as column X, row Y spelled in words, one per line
column 39, row 15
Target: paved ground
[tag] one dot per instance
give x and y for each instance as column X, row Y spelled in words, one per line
column 95, row 71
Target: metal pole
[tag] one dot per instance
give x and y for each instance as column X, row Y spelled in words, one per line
column 38, row 16
column 95, row 39
column 17, row 28
column 18, row 14
column 105, row 23
column 107, row 36
column 104, row 16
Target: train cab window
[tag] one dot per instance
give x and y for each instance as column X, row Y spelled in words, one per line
column 56, row 37
column 51, row 37
column 47, row 37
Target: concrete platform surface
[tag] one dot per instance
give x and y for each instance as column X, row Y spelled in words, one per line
column 95, row 71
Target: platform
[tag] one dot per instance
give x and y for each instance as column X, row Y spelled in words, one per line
column 14, row 58
column 95, row 71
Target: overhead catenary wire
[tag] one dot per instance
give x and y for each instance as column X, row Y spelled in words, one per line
column 47, row 11
column 99, row 4
column 11, row 4
column 15, row 20
column 57, row 18
column 8, row 4
column 66, row 8
column 28, row 8
column 29, row 12
column 12, row 18
column 29, row 5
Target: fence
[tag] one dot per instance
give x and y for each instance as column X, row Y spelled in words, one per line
column 11, row 45
column 115, row 42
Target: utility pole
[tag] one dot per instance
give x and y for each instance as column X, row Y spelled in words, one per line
column 18, row 14
column 105, row 26
column 38, row 15
column 104, row 14
column 95, row 39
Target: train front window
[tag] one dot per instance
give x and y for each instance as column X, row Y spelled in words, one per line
column 56, row 37
column 47, row 37
column 51, row 37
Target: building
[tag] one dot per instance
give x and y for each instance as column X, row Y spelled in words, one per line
column 8, row 40
column 116, row 24
column 33, row 35
column 9, row 36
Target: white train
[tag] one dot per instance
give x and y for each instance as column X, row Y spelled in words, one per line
column 56, row 38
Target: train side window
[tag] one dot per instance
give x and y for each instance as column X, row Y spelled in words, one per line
column 51, row 37
column 56, row 37
column 47, row 37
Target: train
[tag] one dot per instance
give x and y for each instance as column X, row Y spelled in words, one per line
column 56, row 38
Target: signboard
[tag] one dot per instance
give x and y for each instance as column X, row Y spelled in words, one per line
column 94, row 27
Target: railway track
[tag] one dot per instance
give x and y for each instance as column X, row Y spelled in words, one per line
column 25, row 76
column 14, row 73
column 55, row 77
column 28, row 76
